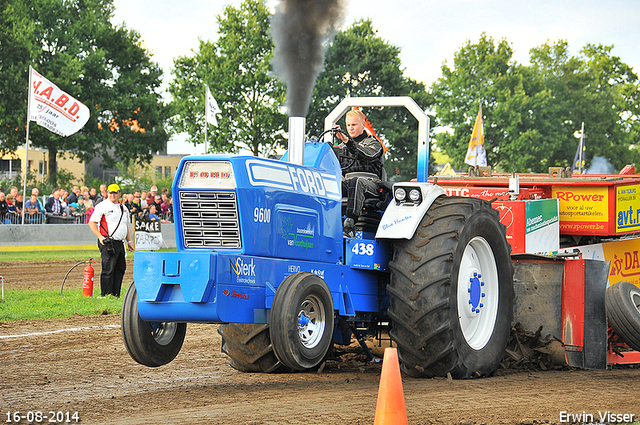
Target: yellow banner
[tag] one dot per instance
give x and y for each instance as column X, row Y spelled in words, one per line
column 583, row 204
column 625, row 261
column 628, row 208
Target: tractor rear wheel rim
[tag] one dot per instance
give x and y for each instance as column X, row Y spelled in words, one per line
column 478, row 293
column 311, row 321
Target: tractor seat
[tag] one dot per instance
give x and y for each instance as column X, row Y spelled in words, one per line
column 364, row 174
column 372, row 212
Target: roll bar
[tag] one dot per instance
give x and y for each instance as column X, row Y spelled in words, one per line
column 407, row 102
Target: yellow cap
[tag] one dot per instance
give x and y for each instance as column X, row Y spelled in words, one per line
column 113, row 188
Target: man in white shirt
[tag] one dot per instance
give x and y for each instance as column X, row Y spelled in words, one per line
column 110, row 223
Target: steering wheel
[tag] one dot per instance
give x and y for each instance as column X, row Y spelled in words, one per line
column 348, row 156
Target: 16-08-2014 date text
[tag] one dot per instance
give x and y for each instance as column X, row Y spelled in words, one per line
column 37, row 416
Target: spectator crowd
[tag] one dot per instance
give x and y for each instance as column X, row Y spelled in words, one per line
column 76, row 206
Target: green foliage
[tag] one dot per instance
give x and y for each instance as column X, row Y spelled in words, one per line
column 597, row 89
column 47, row 304
column 65, row 179
column 237, row 69
column 360, row 63
column 74, row 45
column 17, row 39
column 532, row 112
column 133, row 177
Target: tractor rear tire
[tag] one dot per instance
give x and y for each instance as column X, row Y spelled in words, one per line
column 151, row 344
column 622, row 301
column 301, row 321
column 249, row 347
column 451, row 291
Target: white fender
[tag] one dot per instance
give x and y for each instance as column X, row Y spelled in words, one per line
column 400, row 220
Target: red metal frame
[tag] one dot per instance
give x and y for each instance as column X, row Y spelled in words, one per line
column 537, row 186
column 626, row 357
column 579, row 319
column 573, row 307
column 618, row 352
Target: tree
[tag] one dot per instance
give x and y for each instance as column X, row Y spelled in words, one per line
column 532, row 112
column 237, row 69
column 74, row 45
column 17, row 47
column 483, row 74
column 597, row 89
column 360, row 63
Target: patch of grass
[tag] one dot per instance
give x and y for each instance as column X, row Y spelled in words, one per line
column 39, row 256
column 47, row 304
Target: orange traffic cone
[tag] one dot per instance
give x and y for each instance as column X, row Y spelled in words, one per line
column 390, row 408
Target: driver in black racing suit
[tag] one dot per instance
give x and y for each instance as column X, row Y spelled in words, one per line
column 362, row 154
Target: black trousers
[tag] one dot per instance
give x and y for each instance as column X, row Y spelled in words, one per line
column 114, row 265
column 357, row 190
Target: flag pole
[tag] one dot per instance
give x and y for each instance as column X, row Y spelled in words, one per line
column 206, row 107
column 26, row 145
column 581, row 147
column 478, row 141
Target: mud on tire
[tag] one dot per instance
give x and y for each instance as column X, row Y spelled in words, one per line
column 451, row 291
column 249, row 347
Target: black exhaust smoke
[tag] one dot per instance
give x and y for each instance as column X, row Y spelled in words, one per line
column 301, row 30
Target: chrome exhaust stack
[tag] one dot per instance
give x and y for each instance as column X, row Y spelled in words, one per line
column 296, row 139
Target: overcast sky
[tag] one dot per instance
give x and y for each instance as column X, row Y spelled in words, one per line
column 428, row 32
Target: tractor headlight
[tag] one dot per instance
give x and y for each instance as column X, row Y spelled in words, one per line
column 408, row 195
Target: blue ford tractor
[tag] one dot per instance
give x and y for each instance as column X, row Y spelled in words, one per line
column 261, row 252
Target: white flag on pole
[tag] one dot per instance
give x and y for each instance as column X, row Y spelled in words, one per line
column 211, row 109
column 54, row 109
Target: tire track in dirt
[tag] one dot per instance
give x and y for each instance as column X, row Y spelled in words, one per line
column 89, row 371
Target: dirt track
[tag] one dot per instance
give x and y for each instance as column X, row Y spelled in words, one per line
column 49, row 274
column 85, row 368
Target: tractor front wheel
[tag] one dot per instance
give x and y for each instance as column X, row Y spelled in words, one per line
column 451, row 291
column 151, row 344
column 301, row 322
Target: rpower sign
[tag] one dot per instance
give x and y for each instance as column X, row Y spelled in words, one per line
column 582, row 209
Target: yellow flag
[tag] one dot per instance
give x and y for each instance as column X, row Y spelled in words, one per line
column 476, row 154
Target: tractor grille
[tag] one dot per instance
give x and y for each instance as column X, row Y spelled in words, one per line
column 210, row 220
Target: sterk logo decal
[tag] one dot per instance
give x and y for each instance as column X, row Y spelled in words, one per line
column 245, row 272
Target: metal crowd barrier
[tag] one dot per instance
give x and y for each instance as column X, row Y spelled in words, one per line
column 166, row 216
column 45, row 218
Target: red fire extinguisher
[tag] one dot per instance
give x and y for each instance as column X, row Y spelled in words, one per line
column 87, row 282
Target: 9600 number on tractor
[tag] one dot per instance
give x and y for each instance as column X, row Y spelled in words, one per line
column 261, row 251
